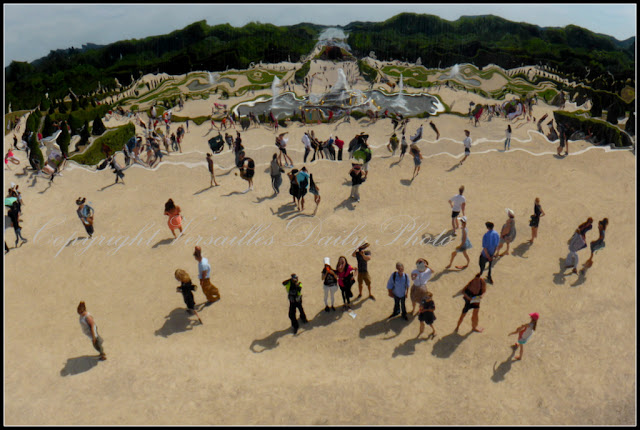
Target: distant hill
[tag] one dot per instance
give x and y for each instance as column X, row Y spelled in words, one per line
column 479, row 40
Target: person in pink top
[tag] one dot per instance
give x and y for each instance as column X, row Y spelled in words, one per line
column 346, row 279
column 175, row 219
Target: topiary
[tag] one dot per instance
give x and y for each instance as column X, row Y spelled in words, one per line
column 47, row 129
column 35, row 153
column 630, row 126
column 85, row 134
column 64, row 139
column 98, row 127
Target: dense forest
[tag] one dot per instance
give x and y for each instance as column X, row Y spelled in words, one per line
column 479, row 40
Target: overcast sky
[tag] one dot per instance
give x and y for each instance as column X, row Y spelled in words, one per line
column 32, row 30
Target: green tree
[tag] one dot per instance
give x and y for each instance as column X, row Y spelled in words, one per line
column 64, row 139
column 98, row 127
column 85, row 134
column 61, row 107
column 35, row 152
column 613, row 112
column 596, row 106
column 48, row 129
column 630, row 126
column 74, row 123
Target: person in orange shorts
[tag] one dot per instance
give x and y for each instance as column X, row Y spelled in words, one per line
column 204, row 273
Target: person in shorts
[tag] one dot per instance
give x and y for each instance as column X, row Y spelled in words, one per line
column 467, row 145
column 247, row 169
column 472, row 293
column 363, row 256
column 426, row 314
column 458, row 203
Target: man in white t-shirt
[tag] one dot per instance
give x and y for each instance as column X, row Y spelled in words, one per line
column 307, row 145
column 458, row 203
column 204, row 273
column 467, row 145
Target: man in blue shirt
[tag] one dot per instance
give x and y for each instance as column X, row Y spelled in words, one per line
column 398, row 285
column 490, row 242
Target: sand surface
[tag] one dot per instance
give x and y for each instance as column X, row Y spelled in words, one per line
column 243, row 366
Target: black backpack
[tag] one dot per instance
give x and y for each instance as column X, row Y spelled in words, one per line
column 216, row 144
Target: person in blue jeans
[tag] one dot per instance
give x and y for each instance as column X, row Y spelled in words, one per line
column 490, row 242
column 398, row 286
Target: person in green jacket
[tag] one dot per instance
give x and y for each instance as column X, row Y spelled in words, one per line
column 294, row 291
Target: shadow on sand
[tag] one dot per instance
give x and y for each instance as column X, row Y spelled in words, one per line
column 409, row 347
column 78, row 365
column 521, row 249
column 176, row 322
column 203, row 190
column 406, row 182
column 162, row 242
column 395, row 325
column 504, row 368
column 286, row 210
column 445, row 346
column 346, row 203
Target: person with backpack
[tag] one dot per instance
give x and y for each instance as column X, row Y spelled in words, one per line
column 303, row 183
column 330, row 282
column 294, row 293
column 398, row 286
column 85, row 213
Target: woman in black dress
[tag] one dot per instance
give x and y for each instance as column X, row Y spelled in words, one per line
column 294, row 189
column 535, row 219
column 426, row 313
column 186, row 288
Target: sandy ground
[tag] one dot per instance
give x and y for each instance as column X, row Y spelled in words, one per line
column 243, row 365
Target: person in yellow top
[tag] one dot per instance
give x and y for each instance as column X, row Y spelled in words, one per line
column 294, row 293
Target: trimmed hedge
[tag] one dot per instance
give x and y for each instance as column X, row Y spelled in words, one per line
column 199, row 120
column 367, row 71
column 601, row 129
column 114, row 139
column 302, row 72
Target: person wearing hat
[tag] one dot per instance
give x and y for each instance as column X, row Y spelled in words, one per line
column 90, row 328
column 508, row 232
column 294, row 293
column 85, row 213
column 330, row 281
column 524, row 333
column 472, row 293
column 363, row 256
column 458, row 204
column 204, row 273
column 398, row 286
column 465, row 244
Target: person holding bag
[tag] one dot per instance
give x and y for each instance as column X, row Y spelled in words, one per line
column 398, row 287
column 330, row 280
column 346, row 279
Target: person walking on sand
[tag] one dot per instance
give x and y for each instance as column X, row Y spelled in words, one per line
column 535, row 219
column 508, row 232
column 577, row 242
column 306, row 141
column 340, row 145
column 357, row 178
column 247, row 170
column 281, row 143
column 465, row 244
column 90, row 328
column 597, row 244
column 85, row 213
column 175, row 219
column 187, row 288
column 417, row 160
column 490, row 242
column 294, row 293
column 210, row 167
column 420, row 276
column 313, row 189
column 346, row 279
column 467, row 145
column 473, row 293
column 398, row 287
column 363, row 256
column 117, row 169
column 426, row 314
column 403, row 147
column 204, row 275
column 524, row 333
column 14, row 216
column 458, row 204
column 507, row 141
column 275, row 171
column 392, row 146
column 330, row 284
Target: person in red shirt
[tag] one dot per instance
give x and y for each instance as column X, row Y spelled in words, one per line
column 339, row 143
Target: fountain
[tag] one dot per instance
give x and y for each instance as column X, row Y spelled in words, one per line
column 210, row 78
column 454, row 73
column 275, row 90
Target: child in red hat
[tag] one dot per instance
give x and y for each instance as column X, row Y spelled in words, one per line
column 524, row 333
